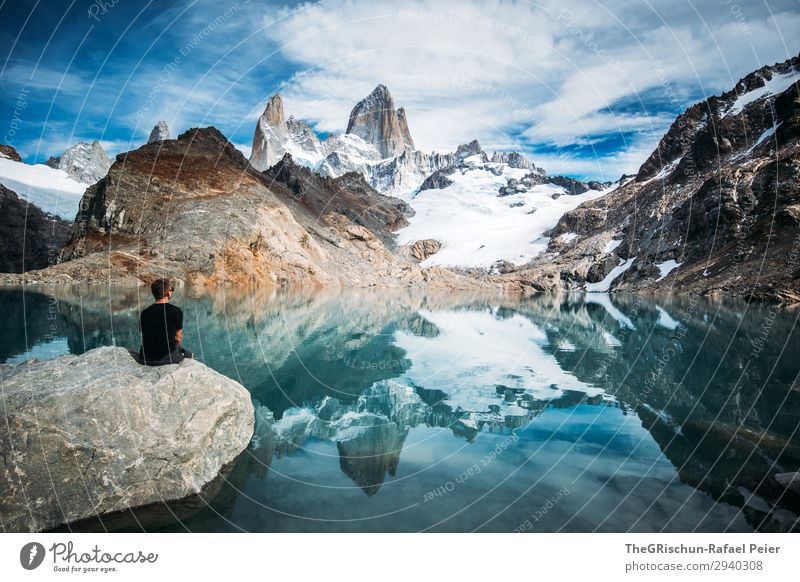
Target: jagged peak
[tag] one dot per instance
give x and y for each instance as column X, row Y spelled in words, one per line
column 273, row 112
column 160, row 132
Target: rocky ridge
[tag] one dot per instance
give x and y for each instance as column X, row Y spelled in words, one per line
column 714, row 209
column 160, row 132
column 195, row 210
column 29, row 238
column 84, row 162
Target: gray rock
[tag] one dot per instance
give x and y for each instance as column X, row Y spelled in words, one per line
column 84, row 162
column 160, row 132
column 375, row 120
column 269, row 139
column 97, row 433
column 789, row 480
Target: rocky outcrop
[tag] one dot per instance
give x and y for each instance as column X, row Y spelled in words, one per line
column 422, row 249
column 349, row 195
column 160, row 132
column 513, row 159
column 92, row 434
column 713, row 210
column 29, row 238
column 438, row 180
column 194, row 210
column 275, row 135
column 7, row 151
column 270, row 135
column 571, row 185
column 84, row 162
column 375, row 120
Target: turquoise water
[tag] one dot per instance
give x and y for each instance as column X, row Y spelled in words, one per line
column 411, row 411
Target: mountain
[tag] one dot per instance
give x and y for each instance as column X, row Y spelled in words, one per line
column 275, row 136
column 193, row 209
column 53, row 191
column 349, row 195
column 714, row 209
column 160, row 132
column 375, row 120
column 375, row 129
column 84, row 162
column 487, row 215
column 29, row 238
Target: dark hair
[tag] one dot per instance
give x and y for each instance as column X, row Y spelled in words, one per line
column 160, row 287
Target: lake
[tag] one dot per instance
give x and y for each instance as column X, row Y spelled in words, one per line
column 430, row 411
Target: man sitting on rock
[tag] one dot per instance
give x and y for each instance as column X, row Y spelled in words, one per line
column 161, row 325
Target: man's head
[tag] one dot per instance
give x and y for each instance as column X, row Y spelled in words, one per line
column 162, row 289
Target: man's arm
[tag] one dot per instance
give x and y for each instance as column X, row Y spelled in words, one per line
column 179, row 326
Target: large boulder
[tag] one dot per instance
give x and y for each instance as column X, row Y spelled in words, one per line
column 97, row 433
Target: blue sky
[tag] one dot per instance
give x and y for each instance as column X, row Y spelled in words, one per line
column 583, row 88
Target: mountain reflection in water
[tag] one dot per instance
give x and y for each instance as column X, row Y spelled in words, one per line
column 408, row 411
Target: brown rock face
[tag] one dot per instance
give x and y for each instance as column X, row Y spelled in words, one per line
column 375, row 120
column 194, row 210
column 273, row 114
column 422, row 249
column 7, row 151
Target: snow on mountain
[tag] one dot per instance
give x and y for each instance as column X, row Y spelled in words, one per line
column 275, row 136
column 84, row 162
column 775, row 85
column 160, row 132
column 477, row 226
column 482, row 210
column 52, row 190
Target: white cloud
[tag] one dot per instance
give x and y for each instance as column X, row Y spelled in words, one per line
column 505, row 68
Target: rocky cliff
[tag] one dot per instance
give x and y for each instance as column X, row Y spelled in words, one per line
column 375, row 120
column 194, row 209
column 29, row 238
column 160, row 132
column 714, row 209
column 84, row 162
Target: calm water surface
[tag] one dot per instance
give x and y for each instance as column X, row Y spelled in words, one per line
column 409, row 411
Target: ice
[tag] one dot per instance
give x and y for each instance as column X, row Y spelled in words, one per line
column 604, row 299
column 611, row 246
column 477, row 227
column 665, row 320
column 764, row 136
column 604, row 285
column 666, row 268
column 51, row 190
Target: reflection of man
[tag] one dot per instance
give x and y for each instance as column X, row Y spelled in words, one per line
column 161, row 325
